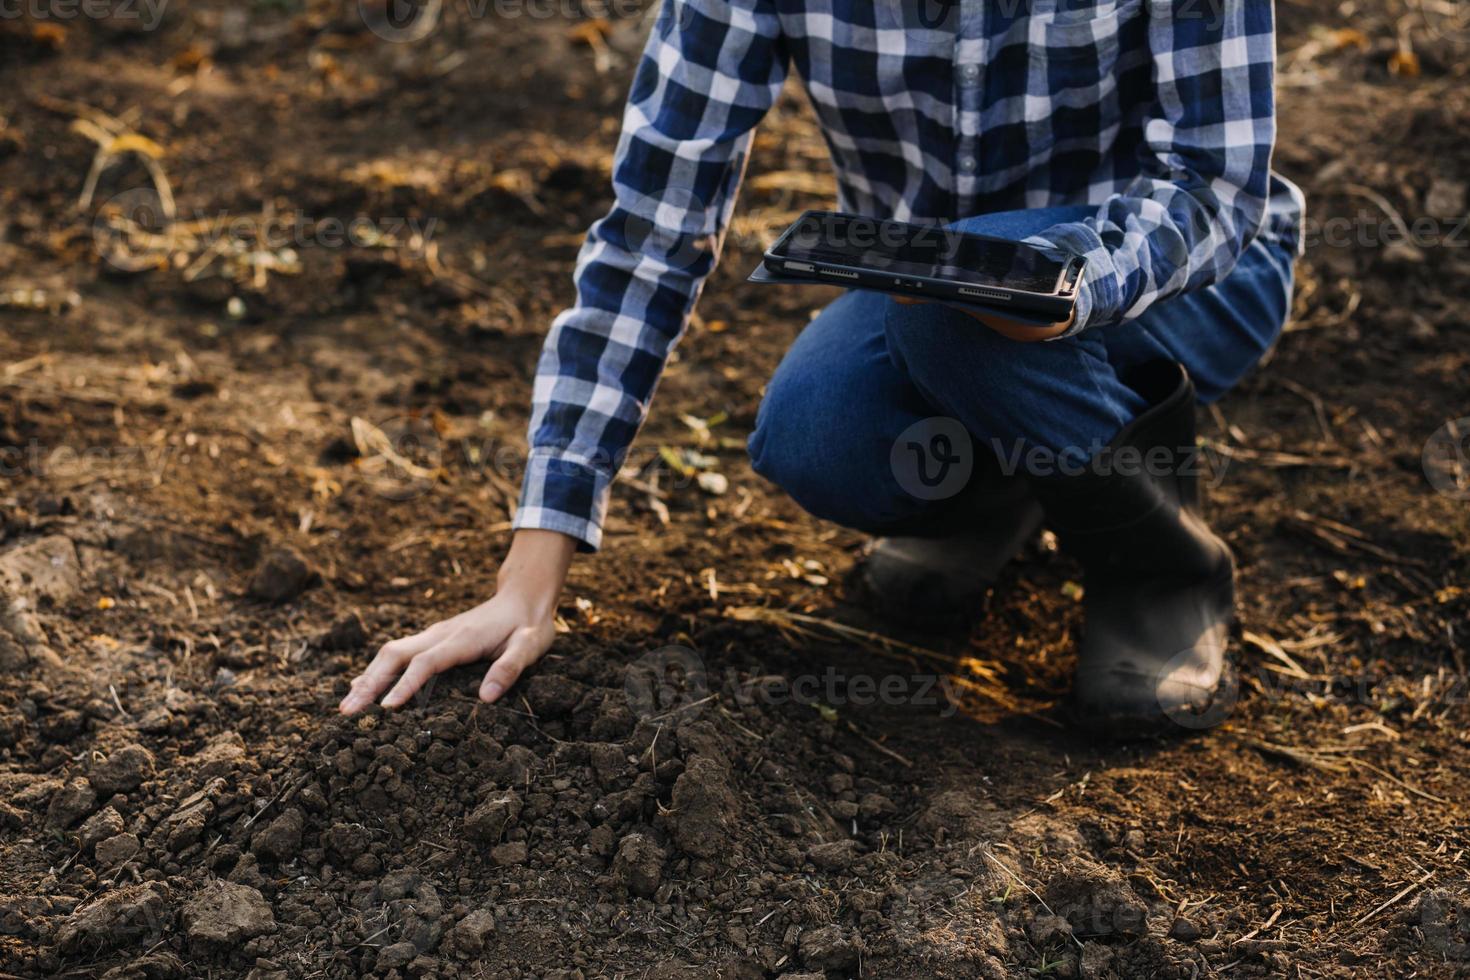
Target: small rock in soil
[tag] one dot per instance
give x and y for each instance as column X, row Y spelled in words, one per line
column 123, row 771
column 46, row 568
column 118, row 850
column 1046, row 930
column 283, row 575
column 223, row 913
column 347, row 633
column 1184, row 931
column 280, row 840
column 221, row 756
column 71, row 803
column 396, row 956
column 468, row 935
column 553, row 696
column 22, row 641
column 875, row 808
column 487, row 823
column 827, row 948
column 639, row 865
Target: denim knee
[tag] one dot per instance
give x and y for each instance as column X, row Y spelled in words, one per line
column 828, row 458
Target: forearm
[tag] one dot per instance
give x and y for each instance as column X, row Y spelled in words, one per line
column 711, row 70
column 535, row 569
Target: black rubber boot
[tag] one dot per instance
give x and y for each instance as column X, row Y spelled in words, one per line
column 1159, row 588
column 940, row 583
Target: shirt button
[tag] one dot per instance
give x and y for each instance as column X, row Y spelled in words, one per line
column 970, row 72
column 967, row 164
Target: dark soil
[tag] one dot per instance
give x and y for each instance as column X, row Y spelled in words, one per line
column 229, row 475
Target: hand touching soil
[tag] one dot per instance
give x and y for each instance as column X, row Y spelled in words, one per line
column 513, row 628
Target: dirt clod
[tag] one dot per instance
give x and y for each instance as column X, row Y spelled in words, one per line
column 101, row 825
column 122, row 916
column 43, row 569
column 71, row 803
column 122, row 771
column 1095, row 962
column 639, row 864
column 279, row 840
column 508, row 854
column 487, row 823
column 116, row 850
column 223, row 913
column 828, row 948
column 281, row 576
column 468, row 934
column 348, row 632
column 833, row 855
column 397, row 956
column 703, row 809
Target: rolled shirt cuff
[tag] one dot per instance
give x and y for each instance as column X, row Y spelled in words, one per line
column 1098, row 301
column 562, row 493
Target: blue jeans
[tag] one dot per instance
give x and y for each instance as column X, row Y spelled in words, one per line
column 867, row 370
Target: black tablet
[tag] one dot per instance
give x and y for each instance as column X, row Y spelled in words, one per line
column 931, row 261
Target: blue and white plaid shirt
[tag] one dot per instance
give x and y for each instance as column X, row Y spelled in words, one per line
column 1160, row 112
